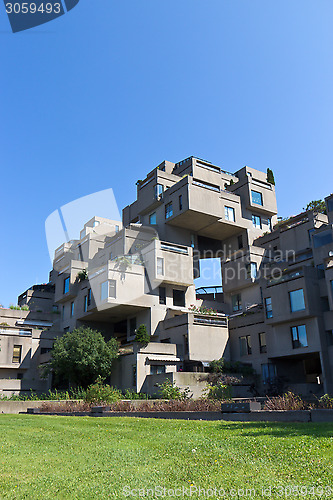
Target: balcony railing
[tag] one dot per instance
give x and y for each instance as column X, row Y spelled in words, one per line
column 170, row 247
column 209, row 321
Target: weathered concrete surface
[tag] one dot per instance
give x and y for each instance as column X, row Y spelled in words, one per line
column 21, row 406
column 322, row 415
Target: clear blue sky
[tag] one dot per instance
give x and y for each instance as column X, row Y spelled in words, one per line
column 98, row 97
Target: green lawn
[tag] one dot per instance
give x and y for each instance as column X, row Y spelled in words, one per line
column 81, row 457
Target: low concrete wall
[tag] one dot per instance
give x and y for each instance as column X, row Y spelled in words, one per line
column 322, row 415
column 21, row 406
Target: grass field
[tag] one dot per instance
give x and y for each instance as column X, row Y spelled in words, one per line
column 80, row 457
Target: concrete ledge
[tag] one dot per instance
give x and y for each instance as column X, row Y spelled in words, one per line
column 22, row 406
column 322, row 415
column 269, row 416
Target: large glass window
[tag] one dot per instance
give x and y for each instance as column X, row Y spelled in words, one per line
column 322, row 239
column 17, row 353
column 104, row 290
column 168, row 210
column 132, row 326
column 298, row 336
column 152, row 218
column 156, row 369
column 66, row 285
column 160, row 266
column 245, row 345
column 162, row 295
column 251, row 270
column 297, row 300
column 269, row 308
column 256, row 221
column 180, row 199
column 112, row 289
column 268, row 373
column 229, row 213
column 262, row 342
column 89, row 297
column 85, row 303
column 158, row 190
column 236, row 301
column 72, row 309
column 256, row 197
column 179, row 298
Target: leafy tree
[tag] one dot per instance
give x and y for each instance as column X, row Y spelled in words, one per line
column 317, row 205
column 142, row 336
column 270, row 176
column 81, row 356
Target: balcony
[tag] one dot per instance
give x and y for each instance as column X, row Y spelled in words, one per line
column 203, row 208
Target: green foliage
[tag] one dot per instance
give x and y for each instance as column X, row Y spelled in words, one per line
column 223, row 366
column 270, row 176
column 102, row 393
column 169, row 390
column 231, row 182
column 82, row 355
column 219, row 391
column 51, row 395
column 203, row 310
column 318, row 206
column 4, row 323
column 142, row 336
column 130, row 394
column 18, row 308
column 82, row 275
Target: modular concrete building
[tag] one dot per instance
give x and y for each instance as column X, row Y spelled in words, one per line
column 273, row 309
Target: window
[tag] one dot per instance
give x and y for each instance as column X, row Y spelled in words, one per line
column 19, row 376
column 256, row 221
column 179, row 298
column 152, row 218
column 160, row 266
column 236, row 302
column 45, row 350
column 158, row 191
column 63, row 312
column 72, row 309
column 256, row 197
column 132, row 326
column 192, row 240
column 168, row 210
column 297, row 300
column 269, row 307
column 262, row 342
column 112, row 289
column 162, row 295
column 66, row 285
column 240, row 242
column 134, row 375
column 269, row 222
column 55, row 309
column 156, row 369
column 229, row 214
column 321, row 239
column 180, row 202
column 268, row 373
column 85, row 303
column 245, row 345
column 89, row 297
column 298, row 336
column 117, row 229
column 310, row 233
column 186, row 344
column 104, row 290
column 330, row 205
column 251, row 270
column 17, row 352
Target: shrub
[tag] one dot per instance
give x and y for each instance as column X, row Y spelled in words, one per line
column 142, row 336
column 219, row 391
column 169, row 390
column 82, row 275
column 130, row 394
column 270, row 176
column 223, row 366
column 325, row 402
column 102, row 393
column 288, row 401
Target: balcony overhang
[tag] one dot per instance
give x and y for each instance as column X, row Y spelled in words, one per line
column 205, row 225
column 111, row 313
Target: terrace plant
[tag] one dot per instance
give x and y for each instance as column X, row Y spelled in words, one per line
column 203, row 310
column 82, row 275
column 142, row 336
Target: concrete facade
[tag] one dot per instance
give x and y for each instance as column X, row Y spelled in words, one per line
column 275, row 312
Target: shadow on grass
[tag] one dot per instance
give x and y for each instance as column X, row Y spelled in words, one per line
column 283, row 429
